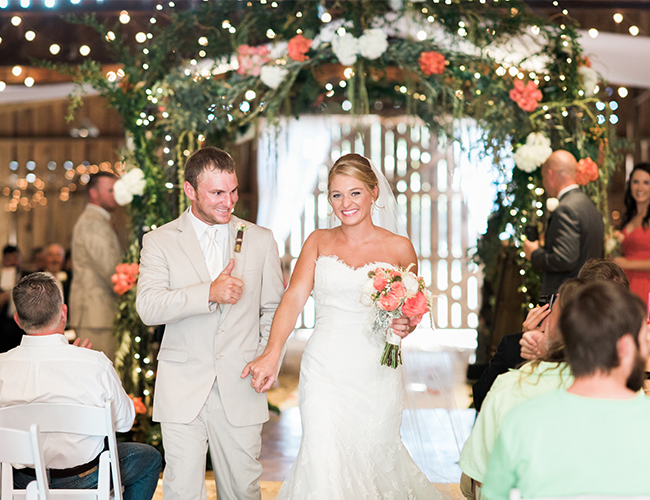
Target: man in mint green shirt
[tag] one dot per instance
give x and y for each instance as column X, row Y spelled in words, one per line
column 592, row 438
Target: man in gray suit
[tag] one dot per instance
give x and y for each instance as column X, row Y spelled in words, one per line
column 575, row 231
column 215, row 282
column 95, row 253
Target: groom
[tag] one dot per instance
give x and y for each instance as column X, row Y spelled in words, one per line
column 215, row 282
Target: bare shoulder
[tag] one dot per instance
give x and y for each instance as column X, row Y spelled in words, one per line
column 399, row 248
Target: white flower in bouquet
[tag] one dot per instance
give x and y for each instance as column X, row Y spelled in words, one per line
column 373, row 43
column 346, row 48
column 411, row 284
column 590, row 78
column 532, row 154
column 551, row 204
column 328, row 32
column 273, row 76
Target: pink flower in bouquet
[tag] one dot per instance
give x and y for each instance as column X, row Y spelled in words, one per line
column 526, row 96
column 587, row 171
column 432, row 63
column 415, row 306
column 381, row 280
column 251, row 59
column 140, row 408
column 125, row 277
column 298, row 47
column 389, row 302
column 398, row 289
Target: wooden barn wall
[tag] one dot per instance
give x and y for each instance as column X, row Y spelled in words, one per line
column 38, row 132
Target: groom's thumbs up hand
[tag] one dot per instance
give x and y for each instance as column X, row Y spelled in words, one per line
column 226, row 289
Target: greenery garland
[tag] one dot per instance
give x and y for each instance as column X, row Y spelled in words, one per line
column 171, row 102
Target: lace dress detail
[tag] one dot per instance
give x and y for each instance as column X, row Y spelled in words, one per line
column 350, row 405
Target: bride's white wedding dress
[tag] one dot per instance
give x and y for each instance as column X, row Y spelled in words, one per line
column 350, row 405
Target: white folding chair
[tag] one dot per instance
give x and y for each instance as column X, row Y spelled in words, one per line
column 22, row 447
column 74, row 419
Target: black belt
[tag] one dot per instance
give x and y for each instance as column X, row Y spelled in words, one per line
column 79, row 470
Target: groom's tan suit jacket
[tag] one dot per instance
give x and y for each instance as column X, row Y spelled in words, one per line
column 203, row 341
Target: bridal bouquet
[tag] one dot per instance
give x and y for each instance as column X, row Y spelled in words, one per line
column 394, row 293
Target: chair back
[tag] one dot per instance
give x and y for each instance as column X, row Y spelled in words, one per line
column 72, row 419
column 22, row 447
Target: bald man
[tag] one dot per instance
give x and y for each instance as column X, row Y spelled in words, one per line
column 575, row 231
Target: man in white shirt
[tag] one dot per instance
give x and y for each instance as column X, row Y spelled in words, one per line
column 46, row 369
column 95, row 253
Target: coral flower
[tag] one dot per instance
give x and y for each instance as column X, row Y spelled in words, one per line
column 298, row 47
column 587, row 171
column 526, row 96
column 432, row 63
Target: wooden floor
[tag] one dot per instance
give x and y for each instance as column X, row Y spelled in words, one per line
column 281, row 434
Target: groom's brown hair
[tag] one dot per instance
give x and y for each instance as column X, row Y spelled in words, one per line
column 207, row 159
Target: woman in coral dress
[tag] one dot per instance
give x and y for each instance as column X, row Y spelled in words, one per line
column 636, row 231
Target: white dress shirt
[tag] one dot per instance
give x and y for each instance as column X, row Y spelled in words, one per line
column 46, row 369
column 566, row 190
column 200, row 227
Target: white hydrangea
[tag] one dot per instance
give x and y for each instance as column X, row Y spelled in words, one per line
column 532, row 154
column 129, row 185
column 328, row 32
column 590, row 78
column 273, row 76
column 277, row 50
column 346, row 48
column 373, row 43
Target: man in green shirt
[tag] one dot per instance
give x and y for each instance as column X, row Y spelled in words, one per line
column 592, row 438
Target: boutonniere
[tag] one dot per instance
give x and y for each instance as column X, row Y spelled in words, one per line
column 239, row 238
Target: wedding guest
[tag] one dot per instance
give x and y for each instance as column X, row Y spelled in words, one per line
column 575, row 231
column 591, row 438
column 45, row 368
column 10, row 332
column 635, row 232
column 533, row 343
column 53, row 261
column 541, row 376
column 214, row 281
column 95, row 253
column 515, row 349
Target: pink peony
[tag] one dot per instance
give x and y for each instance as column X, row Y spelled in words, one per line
column 432, row 63
column 381, row 280
column 125, row 277
column 388, row 302
column 251, row 59
column 298, row 47
column 415, row 306
column 397, row 289
column 587, row 171
column 526, row 96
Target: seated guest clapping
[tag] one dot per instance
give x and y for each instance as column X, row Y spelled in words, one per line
column 44, row 368
column 546, row 374
column 592, row 438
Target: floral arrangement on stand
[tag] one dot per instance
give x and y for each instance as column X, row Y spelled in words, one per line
column 207, row 75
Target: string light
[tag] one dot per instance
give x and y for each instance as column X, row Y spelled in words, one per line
column 618, row 18
column 54, row 49
column 634, row 30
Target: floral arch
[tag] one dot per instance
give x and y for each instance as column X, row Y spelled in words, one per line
column 203, row 76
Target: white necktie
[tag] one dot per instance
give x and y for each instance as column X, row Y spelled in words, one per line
column 214, row 252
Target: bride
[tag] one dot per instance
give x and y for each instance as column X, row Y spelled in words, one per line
column 350, row 405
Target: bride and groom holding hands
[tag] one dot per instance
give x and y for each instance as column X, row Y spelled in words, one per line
column 215, row 282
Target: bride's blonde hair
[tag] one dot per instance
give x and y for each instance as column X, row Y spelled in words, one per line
column 356, row 166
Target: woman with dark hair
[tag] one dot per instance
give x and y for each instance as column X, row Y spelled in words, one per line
column 636, row 231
